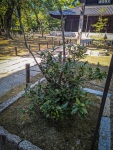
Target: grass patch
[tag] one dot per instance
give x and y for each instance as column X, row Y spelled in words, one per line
column 102, row 60
column 7, row 46
column 4, row 42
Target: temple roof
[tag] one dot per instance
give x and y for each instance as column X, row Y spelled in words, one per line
column 94, row 10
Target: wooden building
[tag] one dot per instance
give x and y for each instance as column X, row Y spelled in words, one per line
column 93, row 9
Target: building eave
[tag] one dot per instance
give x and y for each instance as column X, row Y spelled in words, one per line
column 95, row 10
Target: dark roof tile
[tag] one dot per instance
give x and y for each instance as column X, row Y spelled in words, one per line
column 94, row 10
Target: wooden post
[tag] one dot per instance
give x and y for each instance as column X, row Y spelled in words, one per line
column 67, row 41
column 39, row 46
column 59, row 42
column 47, row 45
column 27, row 74
column 75, row 48
column 16, row 52
column 53, row 48
column 69, row 52
column 29, row 48
column 90, row 42
column 52, row 41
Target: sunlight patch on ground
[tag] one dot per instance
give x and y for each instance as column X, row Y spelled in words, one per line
column 103, row 60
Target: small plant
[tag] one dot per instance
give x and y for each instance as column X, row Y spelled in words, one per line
column 100, row 25
column 62, row 95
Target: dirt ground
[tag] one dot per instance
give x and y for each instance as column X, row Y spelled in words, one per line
column 71, row 134
column 7, row 49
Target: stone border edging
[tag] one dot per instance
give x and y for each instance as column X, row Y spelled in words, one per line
column 104, row 134
column 96, row 92
column 105, row 131
column 10, row 101
column 19, row 144
column 13, row 142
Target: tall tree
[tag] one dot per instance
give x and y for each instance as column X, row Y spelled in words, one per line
column 2, row 13
column 8, row 17
column 59, row 5
column 33, row 4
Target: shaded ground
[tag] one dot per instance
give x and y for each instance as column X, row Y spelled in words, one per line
column 7, row 47
column 45, row 130
column 72, row 134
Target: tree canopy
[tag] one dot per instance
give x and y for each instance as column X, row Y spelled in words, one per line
column 34, row 14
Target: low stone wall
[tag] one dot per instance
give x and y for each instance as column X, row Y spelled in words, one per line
column 59, row 33
column 84, row 35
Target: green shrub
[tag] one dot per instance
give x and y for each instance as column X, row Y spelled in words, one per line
column 62, row 94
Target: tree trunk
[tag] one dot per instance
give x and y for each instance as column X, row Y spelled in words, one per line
column 81, row 22
column 63, row 37
column 36, row 15
column 7, row 19
column 2, row 22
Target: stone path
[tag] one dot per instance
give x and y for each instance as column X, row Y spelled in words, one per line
column 10, row 101
column 12, row 72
